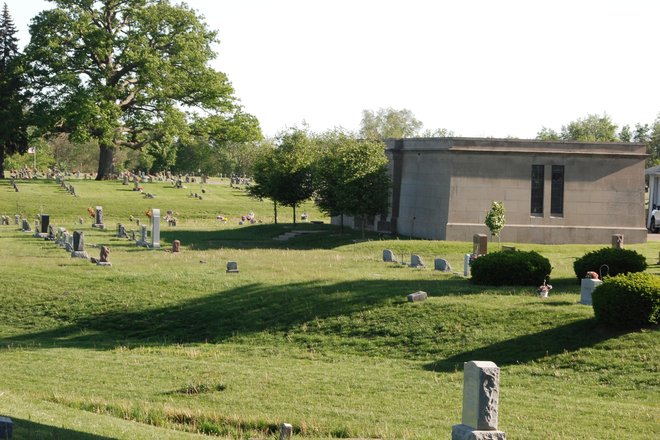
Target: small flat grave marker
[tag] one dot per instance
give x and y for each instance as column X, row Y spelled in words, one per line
column 417, row 296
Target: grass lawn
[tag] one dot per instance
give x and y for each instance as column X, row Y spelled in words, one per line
column 314, row 331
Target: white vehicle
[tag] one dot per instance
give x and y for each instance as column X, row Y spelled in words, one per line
column 653, row 219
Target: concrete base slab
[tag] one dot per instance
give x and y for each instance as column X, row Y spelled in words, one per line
column 80, row 254
column 464, row 432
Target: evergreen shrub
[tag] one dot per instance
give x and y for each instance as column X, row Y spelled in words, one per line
column 517, row 268
column 617, row 260
column 628, row 300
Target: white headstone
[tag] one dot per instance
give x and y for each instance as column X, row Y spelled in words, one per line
column 155, row 228
column 587, row 286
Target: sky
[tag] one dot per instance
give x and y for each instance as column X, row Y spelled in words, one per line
column 480, row 68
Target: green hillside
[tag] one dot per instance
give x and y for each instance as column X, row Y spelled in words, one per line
column 314, row 331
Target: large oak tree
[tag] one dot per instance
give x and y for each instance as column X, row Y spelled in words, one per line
column 127, row 73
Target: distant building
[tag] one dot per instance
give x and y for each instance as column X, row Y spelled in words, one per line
column 553, row 192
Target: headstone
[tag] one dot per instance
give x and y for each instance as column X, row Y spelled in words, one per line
column 481, row 390
column 232, row 267
column 466, row 264
column 51, row 233
column 286, row 430
column 479, row 244
column 69, row 242
column 103, row 257
column 508, row 248
column 155, row 229
column 176, row 246
column 45, row 221
column 388, row 256
column 417, row 296
column 98, row 218
column 17, row 219
column 26, row 226
column 617, row 241
column 78, row 241
column 125, row 180
column 416, row 261
column 143, row 236
column 6, row 428
column 442, row 265
column 121, row 231
column 587, row 286
column 79, row 245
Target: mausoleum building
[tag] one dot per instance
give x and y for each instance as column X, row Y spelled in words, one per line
column 553, row 192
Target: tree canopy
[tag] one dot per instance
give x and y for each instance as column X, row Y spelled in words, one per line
column 593, row 128
column 127, row 73
column 13, row 123
column 284, row 174
column 352, row 177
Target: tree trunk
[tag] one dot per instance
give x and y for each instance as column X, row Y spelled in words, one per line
column 105, row 161
column 294, row 215
column 2, row 163
column 275, row 210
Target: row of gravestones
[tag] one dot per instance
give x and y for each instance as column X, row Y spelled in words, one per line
column 68, row 188
column 416, row 261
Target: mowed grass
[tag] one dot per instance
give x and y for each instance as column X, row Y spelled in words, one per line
column 314, row 331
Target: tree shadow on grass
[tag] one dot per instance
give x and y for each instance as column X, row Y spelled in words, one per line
column 29, row 430
column 264, row 236
column 523, row 349
column 241, row 311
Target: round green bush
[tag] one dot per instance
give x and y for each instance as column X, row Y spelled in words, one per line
column 618, row 261
column 518, row 268
column 628, row 300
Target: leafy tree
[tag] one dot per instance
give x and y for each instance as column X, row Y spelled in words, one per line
column 625, row 135
column 389, row 123
column 284, row 174
column 13, row 124
column 653, row 144
column 548, row 134
column 221, row 145
column 125, row 73
column 593, row 128
column 352, row 177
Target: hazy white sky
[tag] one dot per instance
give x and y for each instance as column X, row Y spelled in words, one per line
column 480, row 68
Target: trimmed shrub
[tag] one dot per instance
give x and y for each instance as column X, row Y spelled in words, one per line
column 628, row 300
column 518, row 268
column 618, row 260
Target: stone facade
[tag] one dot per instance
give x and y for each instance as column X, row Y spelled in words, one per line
column 442, row 189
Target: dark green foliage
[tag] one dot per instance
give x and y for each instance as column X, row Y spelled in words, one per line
column 618, row 260
column 511, row 268
column 628, row 300
column 13, row 131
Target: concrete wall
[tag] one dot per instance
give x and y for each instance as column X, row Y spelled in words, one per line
column 447, row 185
